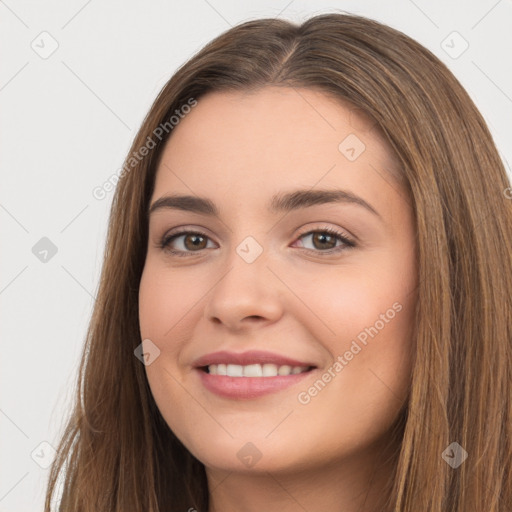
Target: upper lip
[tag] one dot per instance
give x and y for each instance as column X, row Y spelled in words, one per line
column 246, row 358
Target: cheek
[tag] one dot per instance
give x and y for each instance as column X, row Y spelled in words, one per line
column 345, row 304
column 365, row 317
column 162, row 303
column 376, row 347
column 168, row 307
column 368, row 380
column 160, row 308
column 165, row 300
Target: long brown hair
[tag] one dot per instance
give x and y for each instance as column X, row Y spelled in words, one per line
column 118, row 454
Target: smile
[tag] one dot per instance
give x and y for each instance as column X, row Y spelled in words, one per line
column 255, row 370
column 250, row 374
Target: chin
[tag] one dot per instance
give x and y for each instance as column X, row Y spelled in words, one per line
column 253, row 454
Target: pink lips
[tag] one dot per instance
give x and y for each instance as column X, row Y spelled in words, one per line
column 247, row 387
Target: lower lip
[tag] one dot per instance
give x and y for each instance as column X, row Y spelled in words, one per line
column 248, row 387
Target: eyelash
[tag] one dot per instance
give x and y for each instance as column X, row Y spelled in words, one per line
column 349, row 244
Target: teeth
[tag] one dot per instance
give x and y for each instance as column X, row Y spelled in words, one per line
column 254, row 370
column 234, row 370
column 270, row 370
column 284, row 370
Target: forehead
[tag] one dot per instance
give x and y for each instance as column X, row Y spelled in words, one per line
column 255, row 141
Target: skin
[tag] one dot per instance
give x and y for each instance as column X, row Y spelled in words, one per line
column 238, row 149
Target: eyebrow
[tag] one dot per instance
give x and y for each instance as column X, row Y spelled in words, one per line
column 282, row 202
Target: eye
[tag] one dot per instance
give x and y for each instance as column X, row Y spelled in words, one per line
column 324, row 241
column 191, row 239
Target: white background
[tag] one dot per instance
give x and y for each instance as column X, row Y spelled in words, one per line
column 67, row 122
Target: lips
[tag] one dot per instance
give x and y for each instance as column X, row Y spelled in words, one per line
column 249, row 387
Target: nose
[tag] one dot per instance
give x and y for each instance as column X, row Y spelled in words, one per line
column 245, row 295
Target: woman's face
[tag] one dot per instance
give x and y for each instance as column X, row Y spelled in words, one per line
column 264, row 275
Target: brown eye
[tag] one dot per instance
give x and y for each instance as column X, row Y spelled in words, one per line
column 190, row 242
column 325, row 240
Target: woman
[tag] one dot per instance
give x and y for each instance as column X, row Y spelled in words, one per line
column 341, row 340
